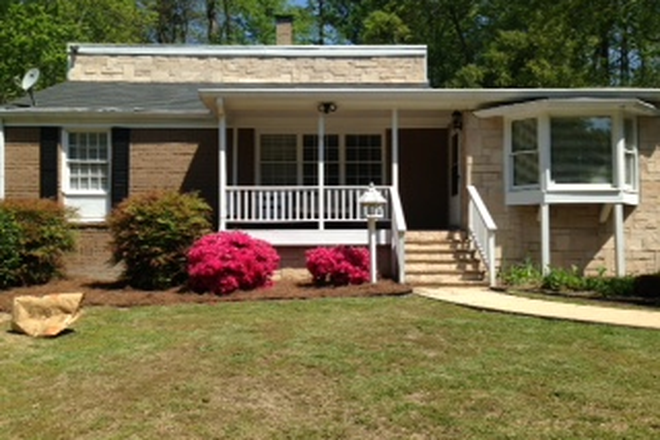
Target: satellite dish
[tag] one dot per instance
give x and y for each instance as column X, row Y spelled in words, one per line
column 29, row 81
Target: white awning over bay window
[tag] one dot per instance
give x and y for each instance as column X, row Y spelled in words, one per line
column 571, row 150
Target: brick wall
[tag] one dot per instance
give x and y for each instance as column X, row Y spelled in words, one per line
column 577, row 236
column 181, row 160
column 22, row 163
column 91, row 256
column 292, row 262
column 244, row 69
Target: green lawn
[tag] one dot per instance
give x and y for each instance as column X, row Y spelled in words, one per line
column 375, row 368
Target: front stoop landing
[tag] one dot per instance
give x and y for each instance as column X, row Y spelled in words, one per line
column 441, row 258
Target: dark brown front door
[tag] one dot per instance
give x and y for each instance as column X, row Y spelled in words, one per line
column 423, row 179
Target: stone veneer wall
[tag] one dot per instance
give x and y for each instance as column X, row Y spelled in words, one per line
column 22, row 163
column 248, row 69
column 577, row 236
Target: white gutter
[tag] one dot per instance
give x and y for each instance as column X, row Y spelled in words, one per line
column 2, row 160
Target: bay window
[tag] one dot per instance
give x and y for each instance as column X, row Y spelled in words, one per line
column 571, row 151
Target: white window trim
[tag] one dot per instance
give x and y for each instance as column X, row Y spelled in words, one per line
column 549, row 190
column 70, row 194
column 522, row 194
column 342, row 151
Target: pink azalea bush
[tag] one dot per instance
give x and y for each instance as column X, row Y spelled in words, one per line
column 227, row 261
column 339, row 266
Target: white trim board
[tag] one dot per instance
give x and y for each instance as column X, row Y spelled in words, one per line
column 294, row 51
column 315, row 237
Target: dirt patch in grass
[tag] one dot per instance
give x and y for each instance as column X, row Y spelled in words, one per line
column 116, row 294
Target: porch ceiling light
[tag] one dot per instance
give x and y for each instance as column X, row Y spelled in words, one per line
column 327, row 107
column 457, row 120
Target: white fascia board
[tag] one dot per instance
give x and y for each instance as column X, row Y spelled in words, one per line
column 315, row 237
column 578, row 104
column 294, row 51
column 124, row 119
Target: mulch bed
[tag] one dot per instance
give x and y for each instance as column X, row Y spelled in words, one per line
column 119, row 295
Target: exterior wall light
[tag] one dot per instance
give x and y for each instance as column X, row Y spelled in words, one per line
column 372, row 203
column 327, row 107
column 457, row 120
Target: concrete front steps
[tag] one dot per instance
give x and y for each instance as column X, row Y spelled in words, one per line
column 441, row 258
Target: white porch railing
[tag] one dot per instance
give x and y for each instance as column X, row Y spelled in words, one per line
column 285, row 204
column 482, row 231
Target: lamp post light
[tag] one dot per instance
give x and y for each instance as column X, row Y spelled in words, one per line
column 372, row 203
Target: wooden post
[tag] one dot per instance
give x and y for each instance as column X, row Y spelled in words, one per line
column 395, row 148
column 321, row 170
column 619, row 241
column 545, row 238
column 222, row 166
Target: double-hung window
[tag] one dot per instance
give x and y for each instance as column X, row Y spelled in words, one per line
column 630, row 154
column 86, row 184
column 349, row 159
column 524, row 159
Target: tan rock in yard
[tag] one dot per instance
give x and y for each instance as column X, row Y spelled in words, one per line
column 47, row 315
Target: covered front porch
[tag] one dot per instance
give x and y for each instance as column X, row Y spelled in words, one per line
column 294, row 163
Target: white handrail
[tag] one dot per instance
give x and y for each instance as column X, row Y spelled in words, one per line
column 398, row 240
column 482, row 227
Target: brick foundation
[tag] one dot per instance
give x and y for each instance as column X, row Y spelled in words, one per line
column 91, row 256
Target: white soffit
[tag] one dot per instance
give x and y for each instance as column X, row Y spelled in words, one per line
column 629, row 105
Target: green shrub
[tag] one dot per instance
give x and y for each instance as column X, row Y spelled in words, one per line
column 647, row 286
column 10, row 249
column 525, row 274
column 45, row 235
column 559, row 279
column 151, row 234
column 616, row 286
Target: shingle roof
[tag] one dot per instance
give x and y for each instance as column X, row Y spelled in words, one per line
column 175, row 97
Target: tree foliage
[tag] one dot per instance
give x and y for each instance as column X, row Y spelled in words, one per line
column 471, row 43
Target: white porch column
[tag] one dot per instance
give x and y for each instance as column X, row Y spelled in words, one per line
column 222, row 166
column 619, row 241
column 321, row 170
column 545, row 238
column 234, row 156
column 395, row 148
column 2, row 160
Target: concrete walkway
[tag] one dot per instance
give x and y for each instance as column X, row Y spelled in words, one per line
column 485, row 299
